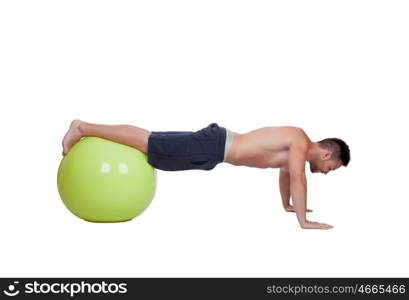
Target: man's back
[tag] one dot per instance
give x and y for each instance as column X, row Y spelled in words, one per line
column 266, row 147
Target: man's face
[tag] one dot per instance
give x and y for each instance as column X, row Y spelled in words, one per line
column 324, row 166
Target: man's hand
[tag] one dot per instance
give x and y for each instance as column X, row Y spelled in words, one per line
column 290, row 208
column 315, row 225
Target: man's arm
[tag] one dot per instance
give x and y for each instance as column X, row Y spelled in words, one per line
column 284, row 182
column 298, row 184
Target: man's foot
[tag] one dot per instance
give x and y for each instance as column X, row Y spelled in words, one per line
column 72, row 136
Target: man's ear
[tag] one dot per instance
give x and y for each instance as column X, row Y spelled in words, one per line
column 326, row 155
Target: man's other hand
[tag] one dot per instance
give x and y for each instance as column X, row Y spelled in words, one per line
column 315, row 225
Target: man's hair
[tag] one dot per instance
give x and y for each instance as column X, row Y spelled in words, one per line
column 340, row 150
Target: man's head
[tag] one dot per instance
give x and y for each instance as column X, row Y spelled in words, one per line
column 328, row 155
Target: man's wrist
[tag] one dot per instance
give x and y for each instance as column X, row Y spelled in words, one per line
column 303, row 222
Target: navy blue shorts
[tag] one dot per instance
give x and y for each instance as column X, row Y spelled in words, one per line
column 187, row 150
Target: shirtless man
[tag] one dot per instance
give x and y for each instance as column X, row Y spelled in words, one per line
column 287, row 148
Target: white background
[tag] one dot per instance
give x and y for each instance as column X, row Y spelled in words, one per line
column 334, row 68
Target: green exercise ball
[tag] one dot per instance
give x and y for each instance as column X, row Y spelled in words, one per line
column 103, row 181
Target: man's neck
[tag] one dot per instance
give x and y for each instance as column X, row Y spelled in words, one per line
column 312, row 151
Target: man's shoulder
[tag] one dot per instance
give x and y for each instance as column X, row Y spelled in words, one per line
column 297, row 130
column 298, row 136
column 293, row 130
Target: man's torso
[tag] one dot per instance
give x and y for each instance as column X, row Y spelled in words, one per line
column 266, row 147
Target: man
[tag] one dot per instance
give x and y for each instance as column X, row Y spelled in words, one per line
column 287, row 148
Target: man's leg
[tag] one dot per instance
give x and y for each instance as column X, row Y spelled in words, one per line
column 124, row 134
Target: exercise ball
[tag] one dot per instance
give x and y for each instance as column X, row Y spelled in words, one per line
column 103, row 181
